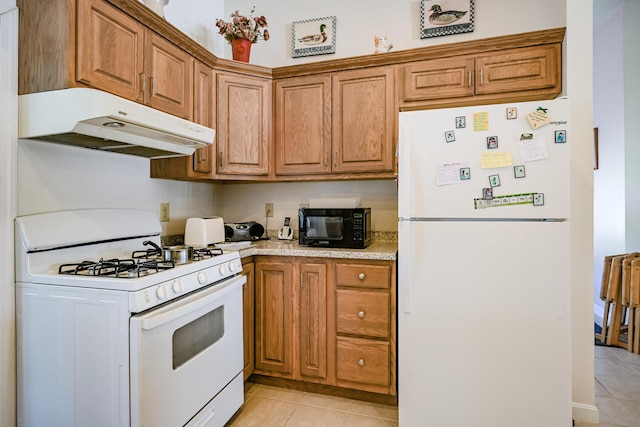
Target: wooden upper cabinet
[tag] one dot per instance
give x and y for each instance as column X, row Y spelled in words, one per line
column 303, row 125
column 439, row 78
column 519, row 73
column 110, row 49
column 204, row 114
column 244, row 125
column 364, row 120
column 516, row 70
column 169, row 71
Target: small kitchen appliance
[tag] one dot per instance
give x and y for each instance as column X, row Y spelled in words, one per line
column 204, row 232
column 236, row 232
column 286, row 232
column 111, row 332
column 335, row 228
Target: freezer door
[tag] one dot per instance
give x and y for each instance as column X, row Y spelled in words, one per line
column 484, row 324
column 443, row 168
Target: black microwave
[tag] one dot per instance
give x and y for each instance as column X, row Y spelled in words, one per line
column 335, row 228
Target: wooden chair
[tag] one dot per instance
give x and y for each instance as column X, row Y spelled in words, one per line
column 634, row 306
column 604, row 290
column 618, row 323
column 625, row 298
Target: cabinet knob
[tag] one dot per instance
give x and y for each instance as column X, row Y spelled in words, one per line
column 361, row 314
column 361, row 276
column 361, row 362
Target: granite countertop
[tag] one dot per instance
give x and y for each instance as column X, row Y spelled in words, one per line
column 376, row 251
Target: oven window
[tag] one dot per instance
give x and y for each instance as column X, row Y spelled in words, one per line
column 195, row 337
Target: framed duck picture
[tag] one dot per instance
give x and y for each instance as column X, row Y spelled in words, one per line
column 445, row 17
column 313, row 37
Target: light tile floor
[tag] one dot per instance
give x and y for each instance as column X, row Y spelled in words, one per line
column 617, row 387
column 268, row 406
column 617, row 390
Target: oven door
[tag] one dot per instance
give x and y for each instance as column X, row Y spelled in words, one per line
column 184, row 353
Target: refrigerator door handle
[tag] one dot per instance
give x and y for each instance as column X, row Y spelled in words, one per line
column 404, row 174
column 404, row 264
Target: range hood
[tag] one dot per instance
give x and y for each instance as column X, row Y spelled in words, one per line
column 95, row 119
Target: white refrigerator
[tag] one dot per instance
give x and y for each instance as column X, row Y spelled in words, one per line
column 484, row 334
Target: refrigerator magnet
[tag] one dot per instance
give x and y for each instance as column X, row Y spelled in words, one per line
column 465, row 174
column 561, row 136
column 449, row 136
column 512, row 113
column 487, row 193
column 492, row 142
column 518, row 171
column 538, row 199
column 461, row 122
column 494, row 180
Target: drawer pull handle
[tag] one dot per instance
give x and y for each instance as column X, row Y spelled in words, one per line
column 361, row 276
column 361, row 314
column 361, row 362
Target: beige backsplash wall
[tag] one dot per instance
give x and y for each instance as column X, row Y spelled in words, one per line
column 245, row 202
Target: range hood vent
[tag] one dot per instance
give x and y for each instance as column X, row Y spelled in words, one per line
column 95, row 119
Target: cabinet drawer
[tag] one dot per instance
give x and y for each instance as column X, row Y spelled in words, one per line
column 363, row 275
column 363, row 313
column 363, row 361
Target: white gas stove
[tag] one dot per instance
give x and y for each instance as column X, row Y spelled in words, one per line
column 110, row 329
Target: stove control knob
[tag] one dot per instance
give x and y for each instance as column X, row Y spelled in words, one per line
column 223, row 269
column 176, row 286
column 232, row 266
column 202, row 278
column 161, row 292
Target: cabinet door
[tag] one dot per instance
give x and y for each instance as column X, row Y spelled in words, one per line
column 303, row 125
column 516, row 70
column 313, row 320
column 439, row 79
column 274, row 322
column 169, row 73
column 364, row 120
column 248, row 269
column 244, row 125
column 110, row 49
column 203, row 113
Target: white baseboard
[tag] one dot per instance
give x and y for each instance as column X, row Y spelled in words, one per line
column 585, row 413
column 598, row 312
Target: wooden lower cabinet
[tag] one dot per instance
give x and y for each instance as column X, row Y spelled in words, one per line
column 291, row 318
column 248, row 315
column 327, row 321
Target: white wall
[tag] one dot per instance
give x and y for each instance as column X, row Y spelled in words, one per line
column 609, row 118
column 56, row 177
column 245, row 202
column 8, row 135
column 358, row 21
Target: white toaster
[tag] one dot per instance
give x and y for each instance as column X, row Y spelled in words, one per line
column 203, row 232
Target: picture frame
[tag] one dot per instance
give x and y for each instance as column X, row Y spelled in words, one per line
column 487, row 193
column 465, row 174
column 494, row 180
column 449, row 136
column 313, row 37
column 518, row 171
column 512, row 113
column 443, row 18
column 561, row 136
column 492, row 142
column 461, row 122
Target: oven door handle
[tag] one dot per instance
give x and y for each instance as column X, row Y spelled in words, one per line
column 189, row 304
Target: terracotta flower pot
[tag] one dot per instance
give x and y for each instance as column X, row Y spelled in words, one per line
column 241, row 49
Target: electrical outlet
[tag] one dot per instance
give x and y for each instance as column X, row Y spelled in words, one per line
column 164, row 212
column 268, row 210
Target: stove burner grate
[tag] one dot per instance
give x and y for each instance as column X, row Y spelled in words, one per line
column 122, row 268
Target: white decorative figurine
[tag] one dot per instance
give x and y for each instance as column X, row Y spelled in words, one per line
column 382, row 44
column 156, row 5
